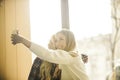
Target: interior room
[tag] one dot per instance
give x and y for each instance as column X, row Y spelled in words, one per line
column 95, row 24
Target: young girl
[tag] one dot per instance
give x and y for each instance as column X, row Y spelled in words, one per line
column 64, row 54
column 44, row 70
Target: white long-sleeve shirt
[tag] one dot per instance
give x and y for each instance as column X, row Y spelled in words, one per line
column 72, row 67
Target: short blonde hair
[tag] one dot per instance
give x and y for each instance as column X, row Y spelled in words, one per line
column 70, row 39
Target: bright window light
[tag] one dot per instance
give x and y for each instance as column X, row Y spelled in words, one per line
column 45, row 19
column 90, row 18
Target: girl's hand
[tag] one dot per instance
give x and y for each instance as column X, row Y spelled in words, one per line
column 84, row 58
column 15, row 38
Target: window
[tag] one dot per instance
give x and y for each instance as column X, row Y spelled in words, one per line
column 45, row 19
column 86, row 19
column 90, row 18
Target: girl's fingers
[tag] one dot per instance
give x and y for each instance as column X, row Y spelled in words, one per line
column 17, row 31
column 14, row 38
column 84, row 58
column 13, row 43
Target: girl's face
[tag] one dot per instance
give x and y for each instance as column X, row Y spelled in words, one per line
column 60, row 41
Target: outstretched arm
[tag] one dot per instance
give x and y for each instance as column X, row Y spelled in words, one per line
column 54, row 56
column 59, row 56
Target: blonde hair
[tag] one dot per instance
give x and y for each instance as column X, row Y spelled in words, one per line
column 46, row 67
column 70, row 39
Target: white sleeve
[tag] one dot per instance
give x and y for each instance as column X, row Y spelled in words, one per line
column 54, row 56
